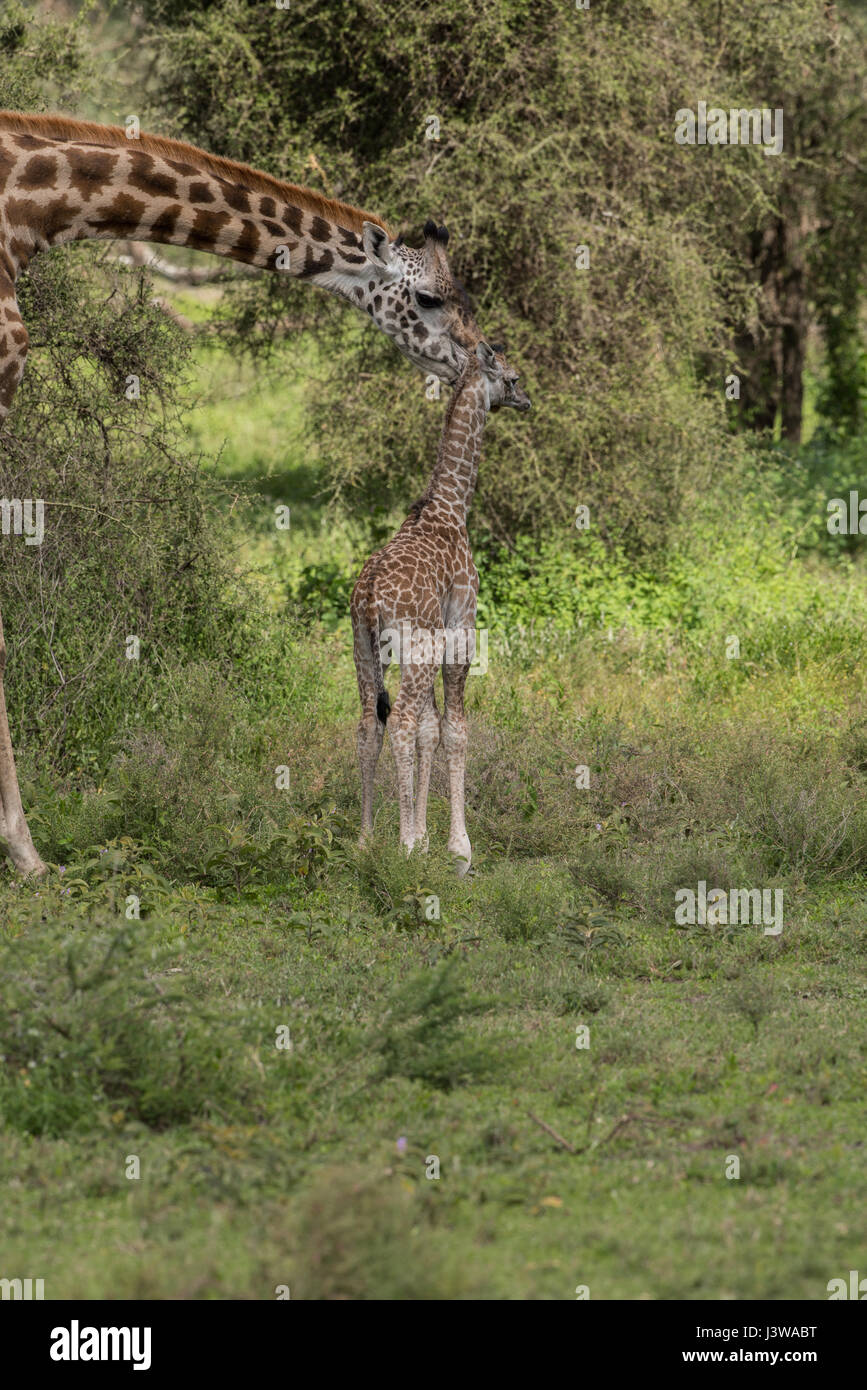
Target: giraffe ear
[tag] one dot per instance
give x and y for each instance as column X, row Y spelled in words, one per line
column 486, row 355
column 377, row 247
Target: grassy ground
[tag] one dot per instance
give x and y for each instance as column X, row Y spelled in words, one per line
column 295, row 1036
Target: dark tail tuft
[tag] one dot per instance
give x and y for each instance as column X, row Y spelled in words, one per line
column 383, row 704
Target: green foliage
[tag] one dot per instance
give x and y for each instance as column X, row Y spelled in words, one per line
column 136, row 542
column 556, row 130
column 94, row 1027
column 587, row 932
column 424, row 1035
column 360, row 1237
column 450, row 1035
column 44, row 60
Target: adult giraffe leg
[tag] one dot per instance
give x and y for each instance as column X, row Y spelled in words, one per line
column 454, row 729
column 13, row 825
column 14, row 830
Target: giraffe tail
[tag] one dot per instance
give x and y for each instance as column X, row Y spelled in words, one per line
column 383, row 703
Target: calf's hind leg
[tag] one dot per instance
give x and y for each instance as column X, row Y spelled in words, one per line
column 410, row 714
column 427, row 742
column 370, row 730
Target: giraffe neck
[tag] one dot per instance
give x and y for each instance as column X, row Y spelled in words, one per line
column 59, row 187
column 453, row 483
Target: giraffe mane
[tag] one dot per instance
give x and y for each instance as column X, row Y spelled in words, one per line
column 52, row 127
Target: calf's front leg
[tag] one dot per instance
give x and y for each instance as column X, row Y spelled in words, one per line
column 454, row 734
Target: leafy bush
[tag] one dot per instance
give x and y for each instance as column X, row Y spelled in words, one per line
column 423, row 1035
column 96, row 1027
column 136, row 545
column 556, row 130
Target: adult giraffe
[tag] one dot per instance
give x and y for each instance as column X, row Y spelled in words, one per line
column 65, row 180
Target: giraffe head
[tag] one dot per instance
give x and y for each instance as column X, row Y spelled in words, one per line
column 500, row 379
column 413, row 296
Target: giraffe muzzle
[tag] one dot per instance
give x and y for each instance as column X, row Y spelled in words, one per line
column 518, row 399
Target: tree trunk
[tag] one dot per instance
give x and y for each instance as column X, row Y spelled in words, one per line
column 773, row 355
column 793, row 324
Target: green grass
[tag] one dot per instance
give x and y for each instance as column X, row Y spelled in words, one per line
column 290, row 1172
column 262, row 1167
column 436, row 1018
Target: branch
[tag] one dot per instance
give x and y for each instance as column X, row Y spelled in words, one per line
column 553, row 1133
column 278, row 327
column 142, row 254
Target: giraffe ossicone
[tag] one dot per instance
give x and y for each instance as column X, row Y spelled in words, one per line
column 424, row 584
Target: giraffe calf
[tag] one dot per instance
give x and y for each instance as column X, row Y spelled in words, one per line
column 419, row 594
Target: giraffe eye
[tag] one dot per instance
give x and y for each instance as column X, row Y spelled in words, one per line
column 427, row 301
